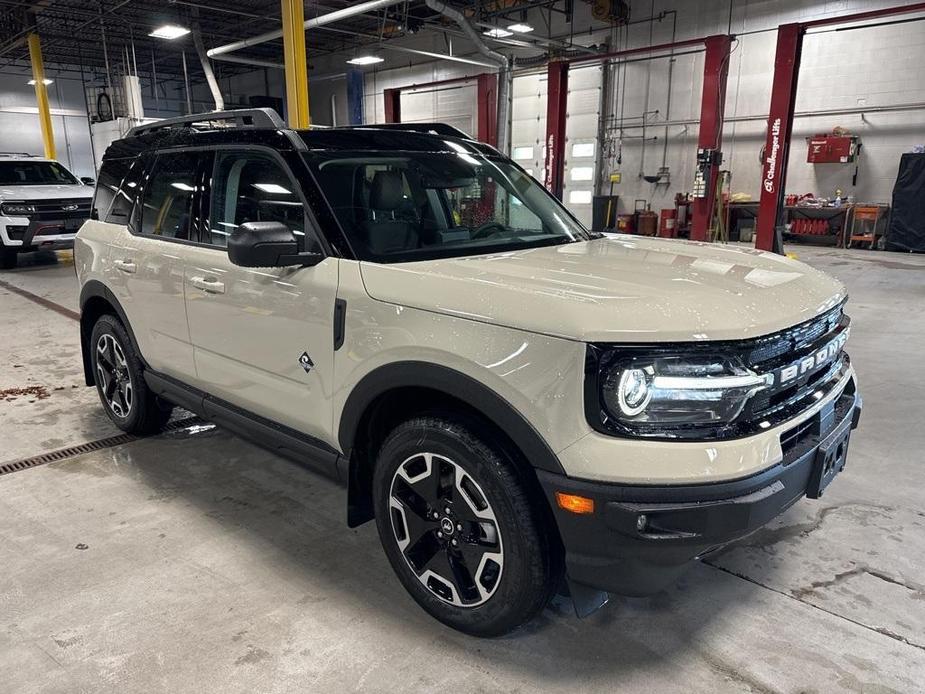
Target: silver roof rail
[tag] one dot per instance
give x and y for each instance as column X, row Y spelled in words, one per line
column 18, row 154
column 240, row 118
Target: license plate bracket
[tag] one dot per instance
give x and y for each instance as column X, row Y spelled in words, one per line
column 830, row 459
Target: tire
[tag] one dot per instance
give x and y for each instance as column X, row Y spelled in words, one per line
column 7, row 258
column 499, row 532
column 120, row 382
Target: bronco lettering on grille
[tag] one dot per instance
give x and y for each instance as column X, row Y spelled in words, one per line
column 808, row 363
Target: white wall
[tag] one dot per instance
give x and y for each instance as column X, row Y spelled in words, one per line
column 19, row 125
column 867, row 67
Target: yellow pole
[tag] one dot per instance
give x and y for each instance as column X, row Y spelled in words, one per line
column 41, row 95
column 296, row 63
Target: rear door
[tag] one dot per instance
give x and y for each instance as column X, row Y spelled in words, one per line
column 152, row 208
column 262, row 337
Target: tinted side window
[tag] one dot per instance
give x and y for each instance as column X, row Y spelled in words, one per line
column 168, row 196
column 123, row 201
column 107, row 185
column 251, row 187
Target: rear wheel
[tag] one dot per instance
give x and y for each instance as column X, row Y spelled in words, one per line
column 459, row 528
column 120, row 382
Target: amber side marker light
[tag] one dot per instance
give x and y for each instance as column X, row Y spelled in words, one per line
column 575, row 504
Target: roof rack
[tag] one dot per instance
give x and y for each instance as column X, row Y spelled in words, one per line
column 17, row 154
column 426, row 128
column 240, row 118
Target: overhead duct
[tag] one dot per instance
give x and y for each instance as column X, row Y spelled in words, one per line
column 505, row 69
column 312, row 23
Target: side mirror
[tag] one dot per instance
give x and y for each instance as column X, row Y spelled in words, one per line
column 87, row 181
column 267, row 244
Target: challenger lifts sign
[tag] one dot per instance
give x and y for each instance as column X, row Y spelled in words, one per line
column 770, row 172
column 550, row 161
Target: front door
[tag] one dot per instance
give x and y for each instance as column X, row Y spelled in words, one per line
column 262, row 337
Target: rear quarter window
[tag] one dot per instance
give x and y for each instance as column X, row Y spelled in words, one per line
column 117, row 189
column 107, row 185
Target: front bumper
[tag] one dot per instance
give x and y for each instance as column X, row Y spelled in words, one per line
column 54, row 234
column 640, row 538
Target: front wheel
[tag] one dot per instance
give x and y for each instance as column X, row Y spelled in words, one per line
column 120, row 381
column 460, row 529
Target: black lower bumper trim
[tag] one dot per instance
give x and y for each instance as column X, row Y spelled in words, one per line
column 37, row 231
column 639, row 539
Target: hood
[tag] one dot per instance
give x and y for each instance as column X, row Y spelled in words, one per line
column 617, row 289
column 45, row 192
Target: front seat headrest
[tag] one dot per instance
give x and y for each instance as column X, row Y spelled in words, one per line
column 386, row 191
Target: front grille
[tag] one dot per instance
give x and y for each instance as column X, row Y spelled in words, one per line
column 54, row 209
column 802, row 438
column 784, row 399
column 766, row 350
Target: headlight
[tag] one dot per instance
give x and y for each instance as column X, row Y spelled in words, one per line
column 675, row 396
column 17, row 209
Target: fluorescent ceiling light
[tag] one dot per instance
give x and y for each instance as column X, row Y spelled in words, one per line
column 365, row 60
column 169, row 32
column 498, row 33
column 520, row 28
column 44, row 81
column 185, row 187
column 272, row 189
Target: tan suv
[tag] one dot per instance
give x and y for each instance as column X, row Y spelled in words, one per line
column 521, row 405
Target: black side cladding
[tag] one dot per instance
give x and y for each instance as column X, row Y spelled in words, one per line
column 907, row 224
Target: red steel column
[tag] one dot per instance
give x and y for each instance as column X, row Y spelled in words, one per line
column 392, row 105
column 780, row 127
column 556, row 100
column 712, row 110
column 487, row 108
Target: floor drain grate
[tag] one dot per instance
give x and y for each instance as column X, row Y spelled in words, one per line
column 80, row 449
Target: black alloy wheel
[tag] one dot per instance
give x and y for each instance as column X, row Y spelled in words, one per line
column 120, row 381
column 462, row 527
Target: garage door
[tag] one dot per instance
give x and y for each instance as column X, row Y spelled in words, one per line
column 583, row 112
column 453, row 104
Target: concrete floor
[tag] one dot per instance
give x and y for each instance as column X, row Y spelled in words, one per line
column 195, row 562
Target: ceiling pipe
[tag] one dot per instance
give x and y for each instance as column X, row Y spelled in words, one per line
column 505, row 69
column 440, row 56
column 312, row 23
column 248, row 61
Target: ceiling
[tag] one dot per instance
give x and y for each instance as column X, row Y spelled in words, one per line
column 86, row 33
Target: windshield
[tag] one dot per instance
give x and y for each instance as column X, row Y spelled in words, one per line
column 407, row 206
column 34, row 173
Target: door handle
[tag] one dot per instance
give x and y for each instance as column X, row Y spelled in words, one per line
column 210, row 285
column 126, row 266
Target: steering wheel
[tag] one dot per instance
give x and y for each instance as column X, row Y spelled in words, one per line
column 484, row 231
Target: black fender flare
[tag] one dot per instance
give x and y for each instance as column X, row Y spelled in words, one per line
column 453, row 384
column 96, row 289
